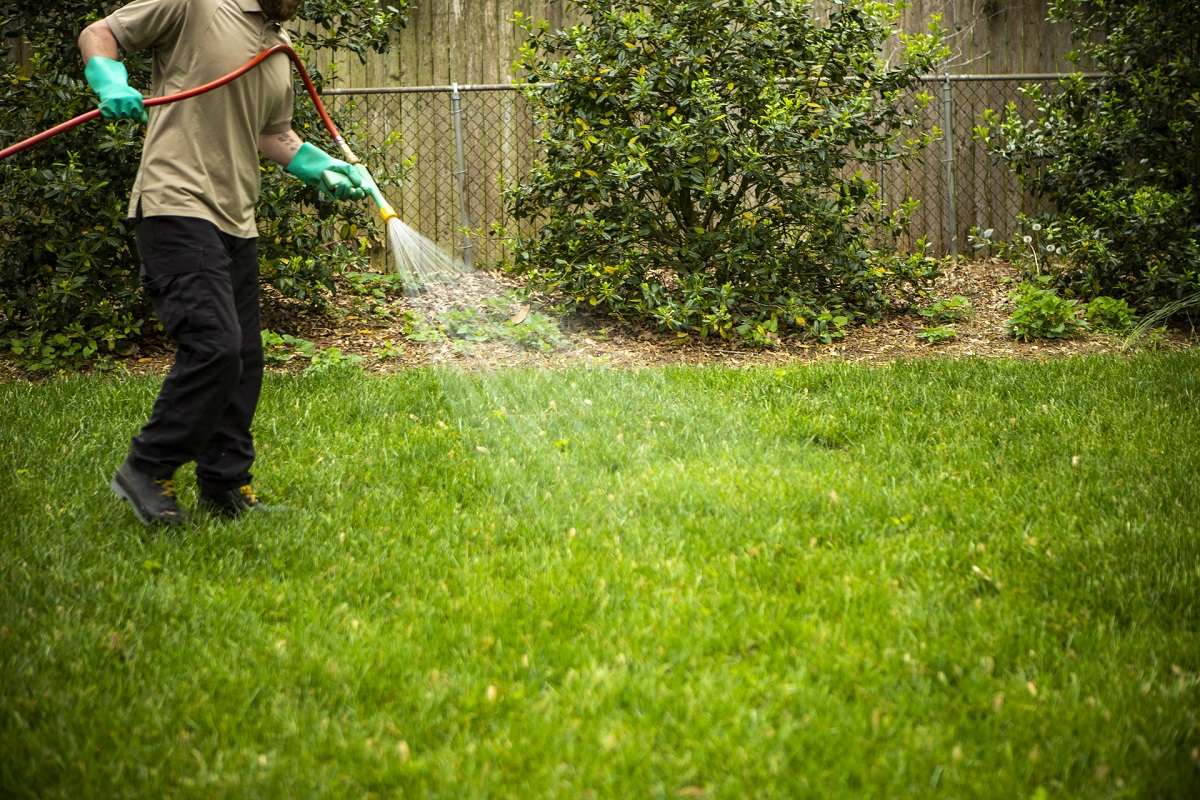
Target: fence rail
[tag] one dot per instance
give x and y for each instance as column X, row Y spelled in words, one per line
column 467, row 141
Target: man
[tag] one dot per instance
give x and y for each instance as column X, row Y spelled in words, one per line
column 193, row 206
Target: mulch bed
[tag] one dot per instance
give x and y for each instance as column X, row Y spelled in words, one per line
column 354, row 329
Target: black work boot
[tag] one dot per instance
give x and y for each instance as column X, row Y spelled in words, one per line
column 152, row 499
column 235, row 502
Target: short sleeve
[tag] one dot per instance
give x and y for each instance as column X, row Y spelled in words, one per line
column 281, row 120
column 148, row 24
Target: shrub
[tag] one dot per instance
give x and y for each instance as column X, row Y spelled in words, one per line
column 1109, row 314
column 699, row 164
column 1039, row 313
column 1117, row 157
column 69, row 290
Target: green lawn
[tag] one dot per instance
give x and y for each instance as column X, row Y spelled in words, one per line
column 934, row 579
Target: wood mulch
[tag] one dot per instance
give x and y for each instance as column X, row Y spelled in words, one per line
column 355, row 328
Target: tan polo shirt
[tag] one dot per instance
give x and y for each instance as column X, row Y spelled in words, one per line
column 200, row 158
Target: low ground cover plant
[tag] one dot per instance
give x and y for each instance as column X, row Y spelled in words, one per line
column 937, row 334
column 1040, row 313
column 501, row 318
column 948, row 309
column 279, row 349
column 375, row 294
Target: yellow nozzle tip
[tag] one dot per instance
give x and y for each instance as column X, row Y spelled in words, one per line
column 387, row 212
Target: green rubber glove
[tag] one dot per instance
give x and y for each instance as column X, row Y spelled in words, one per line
column 369, row 186
column 110, row 82
column 325, row 173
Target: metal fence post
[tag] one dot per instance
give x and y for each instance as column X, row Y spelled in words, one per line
column 460, row 173
column 948, row 135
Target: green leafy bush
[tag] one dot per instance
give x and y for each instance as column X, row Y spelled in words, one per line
column 381, row 286
column 699, row 164
column 69, row 289
column 1109, row 314
column 1039, row 313
column 389, row 351
column 1118, row 157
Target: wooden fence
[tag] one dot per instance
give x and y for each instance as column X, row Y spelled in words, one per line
column 475, row 41
column 466, row 142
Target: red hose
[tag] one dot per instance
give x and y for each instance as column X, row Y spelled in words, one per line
column 208, row 87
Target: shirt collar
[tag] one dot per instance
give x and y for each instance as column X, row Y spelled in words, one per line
column 249, row 5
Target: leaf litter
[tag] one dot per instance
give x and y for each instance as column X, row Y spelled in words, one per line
column 486, row 320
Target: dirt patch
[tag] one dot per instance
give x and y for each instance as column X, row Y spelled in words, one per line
column 385, row 331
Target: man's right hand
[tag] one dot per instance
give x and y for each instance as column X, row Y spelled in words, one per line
column 110, row 82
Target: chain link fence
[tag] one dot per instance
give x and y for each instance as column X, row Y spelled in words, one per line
column 464, row 143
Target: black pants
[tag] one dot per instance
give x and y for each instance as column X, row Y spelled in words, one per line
column 203, row 284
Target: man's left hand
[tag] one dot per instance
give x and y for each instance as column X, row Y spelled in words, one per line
column 326, row 173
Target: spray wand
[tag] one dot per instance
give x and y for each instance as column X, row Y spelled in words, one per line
column 385, row 209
